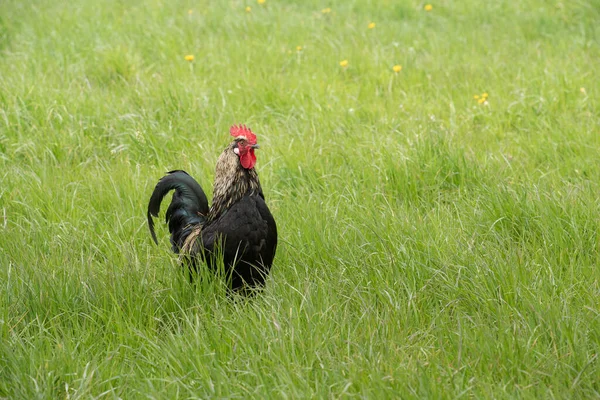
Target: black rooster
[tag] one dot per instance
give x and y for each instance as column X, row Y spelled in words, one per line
column 238, row 225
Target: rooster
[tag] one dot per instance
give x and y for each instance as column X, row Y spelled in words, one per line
column 238, row 226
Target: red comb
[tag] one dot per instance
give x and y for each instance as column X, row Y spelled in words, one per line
column 242, row 130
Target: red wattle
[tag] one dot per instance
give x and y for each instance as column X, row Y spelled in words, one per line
column 248, row 159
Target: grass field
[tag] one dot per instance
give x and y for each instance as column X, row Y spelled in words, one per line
column 432, row 244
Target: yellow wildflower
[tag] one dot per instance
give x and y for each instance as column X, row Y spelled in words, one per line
column 582, row 90
column 189, row 57
column 298, row 48
column 261, row 1
column 190, row 12
column 371, row 25
column 481, row 98
column 326, row 10
column 397, row 68
column 344, row 63
column 428, row 7
column 248, row 9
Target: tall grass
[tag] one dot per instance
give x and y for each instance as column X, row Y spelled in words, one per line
column 430, row 245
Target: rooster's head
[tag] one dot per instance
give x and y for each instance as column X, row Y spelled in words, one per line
column 244, row 145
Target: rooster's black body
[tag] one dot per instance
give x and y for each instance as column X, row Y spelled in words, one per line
column 238, row 226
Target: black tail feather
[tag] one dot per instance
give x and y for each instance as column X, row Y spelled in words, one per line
column 188, row 207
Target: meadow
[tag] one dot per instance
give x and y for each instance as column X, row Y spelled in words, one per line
column 433, row 169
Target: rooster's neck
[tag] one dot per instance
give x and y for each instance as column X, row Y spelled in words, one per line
column 232, row 182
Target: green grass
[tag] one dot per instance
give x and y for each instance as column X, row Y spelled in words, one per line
column 430, row 246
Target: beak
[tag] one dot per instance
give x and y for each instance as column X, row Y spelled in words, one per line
column 255, row 146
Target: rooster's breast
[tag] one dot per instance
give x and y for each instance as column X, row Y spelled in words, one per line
column 249, row 239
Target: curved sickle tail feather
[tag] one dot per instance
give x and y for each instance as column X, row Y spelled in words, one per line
column 187, row 210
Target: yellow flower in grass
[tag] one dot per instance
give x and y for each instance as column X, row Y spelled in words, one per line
column 248, row 9
column 371, row 25
column 298, row 49
column 428, row 7
column 397, row 68
column 189, row 57
column 261, row 1
column 582, row 90
column 482, row 98
column 190, row 12
column 326, row 10
column 344, row 63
